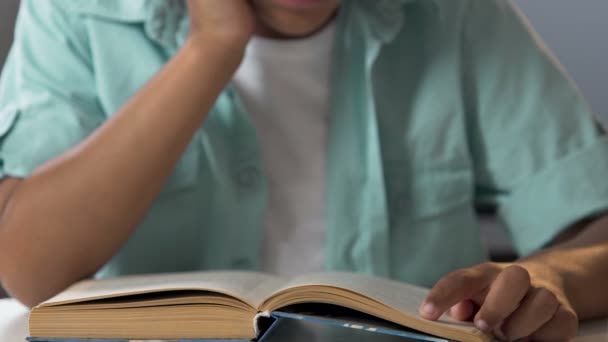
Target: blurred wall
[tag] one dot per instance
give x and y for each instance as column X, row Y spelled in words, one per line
column 8, row 8
column 577, row 31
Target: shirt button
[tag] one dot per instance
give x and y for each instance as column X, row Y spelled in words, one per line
column 248, row 176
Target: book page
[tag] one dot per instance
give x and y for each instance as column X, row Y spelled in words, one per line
column 400, row 296
column 387, row 299
column 249, row 287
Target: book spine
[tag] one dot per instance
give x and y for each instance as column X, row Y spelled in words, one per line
column 262, row 322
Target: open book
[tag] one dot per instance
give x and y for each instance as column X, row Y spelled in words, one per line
column 225, row 305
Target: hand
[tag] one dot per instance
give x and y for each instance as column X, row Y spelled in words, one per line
column 508, row 300
column 230, row 23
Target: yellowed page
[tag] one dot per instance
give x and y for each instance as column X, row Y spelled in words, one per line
column 249, row 287
column 391, row 300
column 400, row 296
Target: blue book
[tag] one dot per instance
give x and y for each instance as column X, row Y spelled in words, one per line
column 240, row 306
column 300, row 328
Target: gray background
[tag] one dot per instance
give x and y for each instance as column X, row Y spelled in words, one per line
column 575, row 30
column 8, row 8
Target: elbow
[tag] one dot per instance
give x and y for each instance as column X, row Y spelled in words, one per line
column 29, row 299
column 34, row 265
column 26, row 277
column 31, row 277
column 22, row 284
column 14, row 275
column 26, row 271
column 30, row 288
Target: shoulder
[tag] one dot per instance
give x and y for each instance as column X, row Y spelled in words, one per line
column 472, row 12
column 70, row 11
column 465, row 7
column 482, row 22
column 71, row 20
column 48, row 23
column 111, row 9
column 483, row 15
column 52, row 15
column 164, row 21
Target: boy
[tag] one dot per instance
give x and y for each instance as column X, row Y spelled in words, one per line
column 150, row 136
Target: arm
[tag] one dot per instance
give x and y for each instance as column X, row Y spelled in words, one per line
column 542, row 296
column 580, row 262
column 50, row 236
column 540, row 156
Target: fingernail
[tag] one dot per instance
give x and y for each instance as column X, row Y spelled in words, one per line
column 429, row 309
column 482, row 325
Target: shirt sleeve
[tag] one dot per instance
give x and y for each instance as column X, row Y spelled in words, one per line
column 539, row 153
column 48, row 101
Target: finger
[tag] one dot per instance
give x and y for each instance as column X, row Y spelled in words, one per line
column 463, row 311
column 455, row 287
column 498, row 334
column 536, row 309
column 506, row 292
column 562, row 327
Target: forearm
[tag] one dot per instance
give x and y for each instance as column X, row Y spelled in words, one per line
column 73, row 214
column 581, row 265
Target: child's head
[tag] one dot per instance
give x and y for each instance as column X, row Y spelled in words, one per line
column 294, row 17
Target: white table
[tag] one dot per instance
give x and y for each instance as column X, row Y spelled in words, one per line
column 13, row 325
column 13, row 321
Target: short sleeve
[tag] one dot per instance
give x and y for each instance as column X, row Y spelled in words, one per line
column 48, row 101
column 539, row 153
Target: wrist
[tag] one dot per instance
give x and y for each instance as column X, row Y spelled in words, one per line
column 546, row 274
column 215, row 51
column 232, row 44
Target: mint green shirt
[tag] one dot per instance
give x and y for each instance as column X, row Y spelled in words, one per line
column 436, row 105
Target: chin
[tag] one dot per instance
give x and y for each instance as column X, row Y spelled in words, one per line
column 298, row 5
column 295, row 18
column 278, row 29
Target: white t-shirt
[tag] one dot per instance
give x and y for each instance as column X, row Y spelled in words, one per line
column 285, row 86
